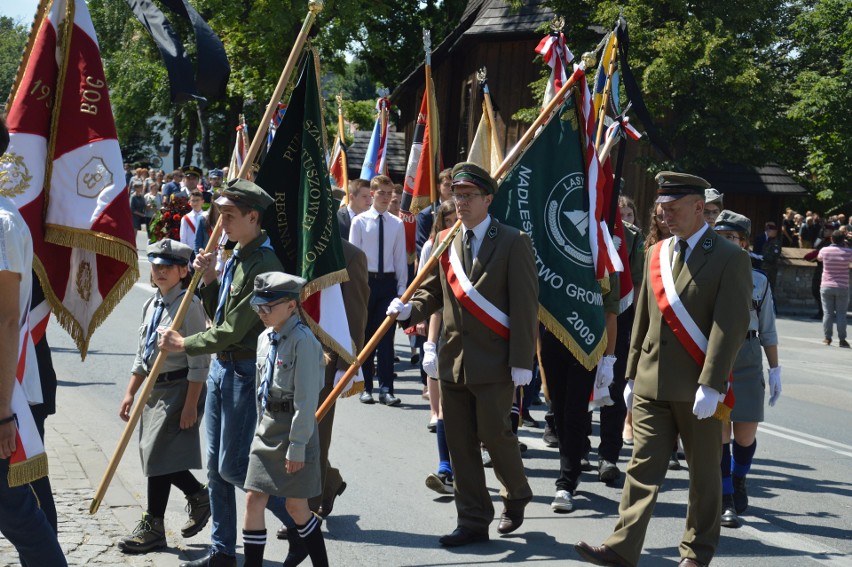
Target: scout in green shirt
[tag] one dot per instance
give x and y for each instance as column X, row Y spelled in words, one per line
column 230, row 408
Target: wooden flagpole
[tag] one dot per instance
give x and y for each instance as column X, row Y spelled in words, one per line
column 489, row 108
column 439, row 249
column 430, row 111
column 314, row 8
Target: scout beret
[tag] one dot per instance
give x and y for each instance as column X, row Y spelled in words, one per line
column 272, row 286
column 729, row 220
column 671, row 186
column 191, row 170
column 244, row 192
column 169, row 252
column 471, row 174
column 216, row 173
column 712, row 196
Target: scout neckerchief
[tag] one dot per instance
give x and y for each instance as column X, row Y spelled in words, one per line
column 674, row 312
column 151, row 332
column 228, row 279
column 468, row 296
column 29, row 461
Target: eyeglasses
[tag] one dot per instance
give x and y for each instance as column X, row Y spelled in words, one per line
column 464, row 197
column 265, row 308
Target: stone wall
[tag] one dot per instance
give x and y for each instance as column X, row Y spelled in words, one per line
column 793, row 284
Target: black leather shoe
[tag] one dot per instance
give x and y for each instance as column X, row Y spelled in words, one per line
column 599, row 555
column 462, row 536
column 281, row 533
column 389, row 400
column 687, row 562
column 740, row 494
column 366, row 398
column 215, row 559
column 328, row 505
column 729, row 514
column 510, row 521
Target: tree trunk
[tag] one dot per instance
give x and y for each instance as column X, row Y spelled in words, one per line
column 177, row 137
column 203, row 117
column 191, row 137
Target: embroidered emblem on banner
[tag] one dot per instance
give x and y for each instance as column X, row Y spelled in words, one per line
column 14, row 176
column 567, row 221
column 93, row 178
column 84, row 281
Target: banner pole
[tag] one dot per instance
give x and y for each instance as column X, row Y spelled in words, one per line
column 341, row 140
column 607, row 88
column 314, row 8
column 441, row 247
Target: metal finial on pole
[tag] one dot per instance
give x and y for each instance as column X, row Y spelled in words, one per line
column 482, row 75
column 557, row 24
column 427, row 45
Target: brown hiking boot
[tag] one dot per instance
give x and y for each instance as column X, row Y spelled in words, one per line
column 148, row 535
column 198, row 508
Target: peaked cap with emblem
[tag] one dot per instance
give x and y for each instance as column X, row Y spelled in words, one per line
column 192, row 170
column 168, row 252
column 216, row 173
column 244, row 192
column 468, row 173
column 729, row 220
column 671, row 186
column 272, row 286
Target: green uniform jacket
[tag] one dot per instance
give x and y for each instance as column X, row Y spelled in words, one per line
column 504, row 272
column 241, row 326
column 715, row 287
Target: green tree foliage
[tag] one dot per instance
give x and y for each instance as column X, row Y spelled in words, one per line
column 13, row 39
column 821, row 113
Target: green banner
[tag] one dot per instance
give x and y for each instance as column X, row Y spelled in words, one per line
column 544, row 195
column 302, row 224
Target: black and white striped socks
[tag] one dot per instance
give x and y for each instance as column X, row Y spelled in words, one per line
column 254, row 543
column 311, row 534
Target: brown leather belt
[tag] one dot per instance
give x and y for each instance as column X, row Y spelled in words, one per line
column 234, row 355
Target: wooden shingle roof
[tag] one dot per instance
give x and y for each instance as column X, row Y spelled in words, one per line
column 751, row 180
column 397, row 156
column 496, row 17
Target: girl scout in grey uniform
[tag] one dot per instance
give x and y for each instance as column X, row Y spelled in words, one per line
column 284, row 459
column 168, row 433
column 749, row 385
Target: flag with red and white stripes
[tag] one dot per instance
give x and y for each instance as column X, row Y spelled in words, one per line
column 64, row 172
column 241, row 146
column 556, row 54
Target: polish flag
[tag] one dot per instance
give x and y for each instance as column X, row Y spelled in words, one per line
column 64, row 172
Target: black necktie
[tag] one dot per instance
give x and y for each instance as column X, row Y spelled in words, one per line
column 381, row 244
column 467, row 252
column 680, row 258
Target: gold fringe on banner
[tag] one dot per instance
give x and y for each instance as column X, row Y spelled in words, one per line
column 98, row 242
column 589, row 361
column 27, row 471
column 355, row 390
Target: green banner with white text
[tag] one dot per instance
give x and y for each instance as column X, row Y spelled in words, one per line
column 544, row 195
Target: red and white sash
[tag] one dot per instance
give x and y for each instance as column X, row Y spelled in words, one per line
column 485, row 311
column 674, row 312
column 190, row 223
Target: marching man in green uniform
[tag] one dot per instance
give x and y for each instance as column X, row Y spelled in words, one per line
column 230, row 410
column 692, row 314
column 487, row 286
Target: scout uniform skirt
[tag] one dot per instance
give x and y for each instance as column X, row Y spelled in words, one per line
column 164, row 447
column 749, row 385
column 267, row 471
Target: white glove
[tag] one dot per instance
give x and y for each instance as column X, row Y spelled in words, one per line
column 628, row 395
column 521, row 376
column 774, row 385
column 706, row 400
column 337, row 376
column 604, row 375
column 600, row 398
column 430, row 359
column 398, row 308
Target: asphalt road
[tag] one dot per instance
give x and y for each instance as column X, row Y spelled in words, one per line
column 801, row 494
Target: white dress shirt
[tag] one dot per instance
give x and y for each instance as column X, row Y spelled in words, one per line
column 478, row 235
column 187, row 233
column 364, row 233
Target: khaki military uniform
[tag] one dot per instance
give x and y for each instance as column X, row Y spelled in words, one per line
column 715, row 287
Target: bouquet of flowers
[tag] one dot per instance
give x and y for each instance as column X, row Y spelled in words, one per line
column 166, row 222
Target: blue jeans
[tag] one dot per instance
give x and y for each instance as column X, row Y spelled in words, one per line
column 25, row 525
column 835, row 302
column 231, row 416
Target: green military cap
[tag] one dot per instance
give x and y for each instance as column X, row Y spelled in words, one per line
column 243, row 192
column 272, row 286
column 729, row 220
column 169, row 252
column 712, row 196
column 468, row 173
column 671, row 186
column 192, row 170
